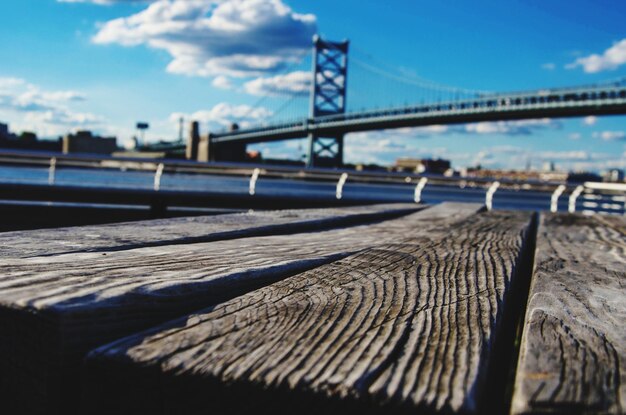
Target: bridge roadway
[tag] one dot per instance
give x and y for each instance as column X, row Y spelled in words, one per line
column 554, row 103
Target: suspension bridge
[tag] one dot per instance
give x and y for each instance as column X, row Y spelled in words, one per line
column 329, row 117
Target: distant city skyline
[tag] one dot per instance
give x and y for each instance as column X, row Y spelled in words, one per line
column 103, row 65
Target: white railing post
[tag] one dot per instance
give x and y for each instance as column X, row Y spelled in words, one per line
column 489, row 196
column 571, row 207
column 253, row 180
column 52, row 170
column 417, row 197
column 554, row 200
column 157, row 176
column 340, row 184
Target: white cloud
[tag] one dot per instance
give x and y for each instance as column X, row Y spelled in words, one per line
column 380, row 147
column 394, row 139
column 18, row 95
column 10, row 83
column 595, row 165
column 222, row 82
column 590, row 120
column 512, row 128
column 521, row 127
column 610, row 59
column 387, row 152
column 429, row 130
column 501, row 156
column 105, row 2
column 564, row 155
column 384, row 147
column 548, row 66
column 237, row 38
column 583, row 161
column 292, row 149
column 487, row 127
column 62, row 117
column 224, row 114
column 610, row 135
column 575, row 136
column 294, row 83
column 506, row 149
column 48, row 113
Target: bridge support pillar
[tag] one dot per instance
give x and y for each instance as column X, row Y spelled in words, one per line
column 204, row 148
column 191, row 152
column 325, row 151
column 210, row 151
column 328, row 97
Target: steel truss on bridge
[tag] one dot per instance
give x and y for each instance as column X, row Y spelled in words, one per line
column 328, row 97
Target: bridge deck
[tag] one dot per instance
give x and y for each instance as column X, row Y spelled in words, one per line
column 379, row 309
column 600, row 100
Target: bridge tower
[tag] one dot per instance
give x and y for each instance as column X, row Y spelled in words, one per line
column 328, row 97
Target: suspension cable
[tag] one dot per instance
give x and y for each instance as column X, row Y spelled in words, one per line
column 263, row 98
column 422, row 83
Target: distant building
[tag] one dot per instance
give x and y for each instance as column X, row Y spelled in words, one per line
column 581, row 177
column 614, row 175
column 370, row 167
column 4, row 131
column 549, row 166
column 86, row 142
column 28, row 138
column 254, row 155
column 26, row 141
column 6, row 134
column 433, row 166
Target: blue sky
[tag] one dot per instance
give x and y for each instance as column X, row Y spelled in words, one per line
column 104, row 65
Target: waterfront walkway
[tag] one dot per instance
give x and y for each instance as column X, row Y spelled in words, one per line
column 375, row 309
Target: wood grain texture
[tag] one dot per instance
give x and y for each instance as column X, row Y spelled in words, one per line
column 120, row 236
column 402, row 327
column 573, row 350
column 53, row 309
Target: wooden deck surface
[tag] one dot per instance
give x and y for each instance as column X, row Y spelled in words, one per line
column 188, row 230
column 378, row 309
column 573, row 350
column 408, row 323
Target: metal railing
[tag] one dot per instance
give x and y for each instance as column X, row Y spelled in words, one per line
column 341, row 184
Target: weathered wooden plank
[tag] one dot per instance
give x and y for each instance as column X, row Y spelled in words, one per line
column 53, row 309
column 402, row 327
column 187, row 230
column 573, row 350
